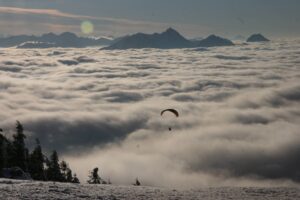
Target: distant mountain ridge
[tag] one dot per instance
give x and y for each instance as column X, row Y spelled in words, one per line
column 39, row 45
column 257, row 38
column 213, row 40
column 168, row 39
column 64, row 40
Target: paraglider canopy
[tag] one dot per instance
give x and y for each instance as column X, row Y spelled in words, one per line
column 175, row 112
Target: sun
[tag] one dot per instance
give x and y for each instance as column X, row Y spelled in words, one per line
column 87, row 27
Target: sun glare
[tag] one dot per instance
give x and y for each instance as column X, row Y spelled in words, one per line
column 87, row 27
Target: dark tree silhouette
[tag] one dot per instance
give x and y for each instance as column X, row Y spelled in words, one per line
column 64, row 167
column 3, row 153
column 53, row 171
column 36, row 163
column 20, row 152
column 69, row 177
column 66, row 171
column 94, row 178
column 137, row 182
column 75, row 179
column 7, row 153
column 15, row 155
column 10, row 154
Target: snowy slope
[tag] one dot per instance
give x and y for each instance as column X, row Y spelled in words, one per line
column 13, row 189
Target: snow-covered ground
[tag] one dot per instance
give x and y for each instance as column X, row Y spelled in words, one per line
column 30, row 190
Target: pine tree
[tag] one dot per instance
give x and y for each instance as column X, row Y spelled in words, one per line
column 75, row 179
column 64, row 167
column 94, row 178
column 10, row 154
column 36, row 163
column 20, row 159
column 53, row 171
column 3, row 153
column 137, row 182
column 69, row 177
column 15, row 154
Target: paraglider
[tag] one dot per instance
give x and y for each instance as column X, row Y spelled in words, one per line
column 175, row 112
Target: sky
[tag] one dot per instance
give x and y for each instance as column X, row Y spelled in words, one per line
column 193, row 18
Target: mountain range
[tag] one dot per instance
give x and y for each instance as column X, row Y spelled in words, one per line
column 166, row 40
column 64, row 40
column 169, row 39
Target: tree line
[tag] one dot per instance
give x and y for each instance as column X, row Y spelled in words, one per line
column 15, row 154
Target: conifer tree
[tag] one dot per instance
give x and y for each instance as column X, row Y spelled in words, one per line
column 75, row 179
column 94, row 178
column 69, row 177
column 36, row 163
column 64, row 167
column 19, row 157
column 3, row 153
column 10, row 154
column 53, row 171
column 137, row 182
column 15, row 154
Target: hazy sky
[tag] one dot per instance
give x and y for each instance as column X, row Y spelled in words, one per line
column 116, row 17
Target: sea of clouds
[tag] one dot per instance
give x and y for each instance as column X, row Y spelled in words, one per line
column 239, row 111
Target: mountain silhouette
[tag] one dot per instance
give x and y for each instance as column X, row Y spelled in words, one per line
column 213, row 41
column 257, row 38
column 36, row 45
column 167, row 40
column 64, row 40
column 16, row 40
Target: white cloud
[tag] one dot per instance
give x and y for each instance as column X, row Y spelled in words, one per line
column 238, row 125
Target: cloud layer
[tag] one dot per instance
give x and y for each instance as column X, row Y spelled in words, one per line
column 239, row 111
